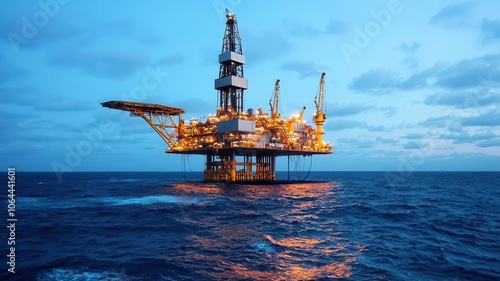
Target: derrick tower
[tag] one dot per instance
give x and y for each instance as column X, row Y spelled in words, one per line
column 231, row 82
column 238, row 145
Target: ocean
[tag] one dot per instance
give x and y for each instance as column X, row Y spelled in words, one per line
column 173, row 226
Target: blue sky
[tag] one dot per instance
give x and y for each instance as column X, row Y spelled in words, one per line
column 410, row 85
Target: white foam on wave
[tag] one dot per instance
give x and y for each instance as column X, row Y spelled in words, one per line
column 80, row 275
column 45, row 203
column 148, row 200
column 122, row 180
column 37, row 203
column 263, row 247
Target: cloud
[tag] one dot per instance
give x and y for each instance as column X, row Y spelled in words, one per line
column 378, row 129
column 18, row 95
column 104, row 64
column 464, row 74
column 415, row 145
column 151, row 40
column 54, row 104
column 356, row 142
column 456, row 127
column 32, row 128
column 439, row 122
column 411, row 62
column 305, row 69
column 269, row 45
column 121, row 121
column 386, row 140
column 196, row 106
column 29, row 97
column 171, row 60
column 338, row 110
column 341, row 110
column 338, row 125
column 86, row 34
column 461, row 162
column 49, row 135
column 56, row 30
column 12, row 122
column 298, row 29
column 454, row 124
column 336, row 26
column 124, row 137
column 490, row 30
column 409, row 49
column 124, row 129
column 453, row 15
column 389, row 110
column 463, row 99
column 375, row 80
column 414, row 136
column 489, row 143
column 467, row 73
column 464, row 137
column 61, row 29
column 8, row 71
column 343, row 124
column 488, row 119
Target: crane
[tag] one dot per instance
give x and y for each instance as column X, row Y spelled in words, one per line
column 274, row 102
column 301, row 114
column 320, row 116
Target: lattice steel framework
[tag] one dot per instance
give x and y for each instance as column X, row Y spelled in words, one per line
column 159, row 117
column 231, row 65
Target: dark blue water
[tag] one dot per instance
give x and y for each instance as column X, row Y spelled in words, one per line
column 354, row 226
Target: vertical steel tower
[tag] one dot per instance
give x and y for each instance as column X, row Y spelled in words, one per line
column 231, row 82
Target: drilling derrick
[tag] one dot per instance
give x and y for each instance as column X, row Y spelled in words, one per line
column 231, row 82
column 238, row 145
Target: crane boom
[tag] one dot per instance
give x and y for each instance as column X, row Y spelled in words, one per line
column 301, row 114
column 320, row 116
column 275, row 100
column 320, row 103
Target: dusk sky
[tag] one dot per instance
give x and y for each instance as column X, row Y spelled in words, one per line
column 410, row 85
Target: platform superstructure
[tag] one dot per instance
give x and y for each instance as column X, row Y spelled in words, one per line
column 239, row 145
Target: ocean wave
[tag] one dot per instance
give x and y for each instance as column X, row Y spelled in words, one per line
column 158, row 229
column 57, row 274
column 148, row 200
column 115, row 180
column 45, row 203
column 263, row 247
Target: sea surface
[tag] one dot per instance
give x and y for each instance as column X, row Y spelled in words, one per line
column 172, row 226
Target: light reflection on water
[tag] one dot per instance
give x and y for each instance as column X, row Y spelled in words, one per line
column 255, row 192
column 333, row 270
column 281, row 232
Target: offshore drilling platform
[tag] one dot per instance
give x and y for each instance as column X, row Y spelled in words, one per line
column 239, row 145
